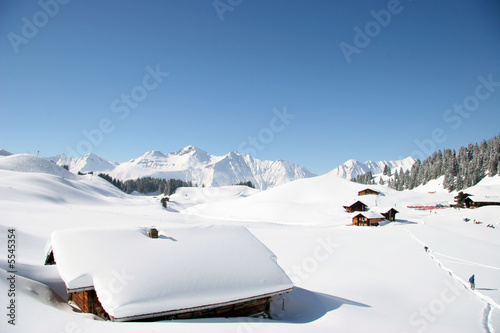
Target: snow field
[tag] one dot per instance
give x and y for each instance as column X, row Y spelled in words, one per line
column 348, row 279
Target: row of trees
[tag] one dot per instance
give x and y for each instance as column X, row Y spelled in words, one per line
column 147, row 185
column 461, row 170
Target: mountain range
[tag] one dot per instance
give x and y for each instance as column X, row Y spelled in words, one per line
column 196, row 165
column 353, row 168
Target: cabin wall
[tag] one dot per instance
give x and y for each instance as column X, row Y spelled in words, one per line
column 243, row 309
column 356, row 207
column 368, row 192
column 88, row 302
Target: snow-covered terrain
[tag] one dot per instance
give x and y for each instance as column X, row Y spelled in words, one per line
column 353, row 168
column 193, row 164
column 347, row 278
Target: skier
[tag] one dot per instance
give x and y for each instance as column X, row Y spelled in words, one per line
column 472, row 282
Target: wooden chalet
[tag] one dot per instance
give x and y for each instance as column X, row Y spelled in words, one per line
column 368, row 218
column 355, row 206
column 368, row 191
column 389, row 213
column 122, row 277
column 475, row 201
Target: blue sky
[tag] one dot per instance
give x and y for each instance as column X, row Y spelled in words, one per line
column 312, row 82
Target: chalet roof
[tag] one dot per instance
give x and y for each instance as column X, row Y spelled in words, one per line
column 186, row 267
column 370, row 215
column 352, row 202
column 368, row 189
column 382, row 210
column 484, row 198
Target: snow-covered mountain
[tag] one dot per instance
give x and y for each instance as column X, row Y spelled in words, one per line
column 90, row 162
column 193, row 164
column 353, row 168
column 4, row 152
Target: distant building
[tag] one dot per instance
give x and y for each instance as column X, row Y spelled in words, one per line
column 355, row 206
column 368, row 218
column 145, row 274
column 389, row 213
column 476, row 201
column 368, row 191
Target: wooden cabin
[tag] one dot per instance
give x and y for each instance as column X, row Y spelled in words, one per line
column 355, row 206
column 388, row 212
column 367, row 219
column 122, row 272
column 475, row 201
column 88, row 302
column 368, row 191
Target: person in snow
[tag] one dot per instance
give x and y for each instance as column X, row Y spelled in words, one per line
column 472, row 282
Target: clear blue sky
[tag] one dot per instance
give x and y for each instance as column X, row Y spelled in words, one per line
column 346, row 79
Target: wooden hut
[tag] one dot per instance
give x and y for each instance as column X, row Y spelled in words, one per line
column 355, row 206
column 368, row 191
column 184, row 272
column 389, row 213
column 476, row 201
column 367, row 219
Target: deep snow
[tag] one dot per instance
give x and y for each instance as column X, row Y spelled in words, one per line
column 347, row 279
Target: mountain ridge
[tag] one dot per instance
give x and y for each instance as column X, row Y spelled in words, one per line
column 353, row 168
column 192, row 164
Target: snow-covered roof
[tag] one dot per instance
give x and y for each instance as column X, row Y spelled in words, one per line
column 368, row 189
column 381, row 210
column 484, row 198
column 352, row 202
column 186, row 267
column 370, row 215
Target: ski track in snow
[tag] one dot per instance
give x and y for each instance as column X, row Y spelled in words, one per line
column 490, row 303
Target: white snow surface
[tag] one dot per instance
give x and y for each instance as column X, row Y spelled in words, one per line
column 193, row 164
column 186, row 267
column 347, row 278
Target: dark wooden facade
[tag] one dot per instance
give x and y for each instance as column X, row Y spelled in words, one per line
column 361, row 220
column 390, row 214
column 242, row 309
column 368, row 191
column 88, row 302
column 358, row 206
column 470, row 203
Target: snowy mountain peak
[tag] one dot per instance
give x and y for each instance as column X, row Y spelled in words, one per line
column 190, row 150
column 192, row 164
column 4, row 152
column 152, row 154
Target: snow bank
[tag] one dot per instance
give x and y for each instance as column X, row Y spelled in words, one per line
column 34, row 164
column 316, row 200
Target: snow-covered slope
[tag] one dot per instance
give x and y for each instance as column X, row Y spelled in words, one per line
column 353, row 168
column 196, row 165
column 340, row 273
